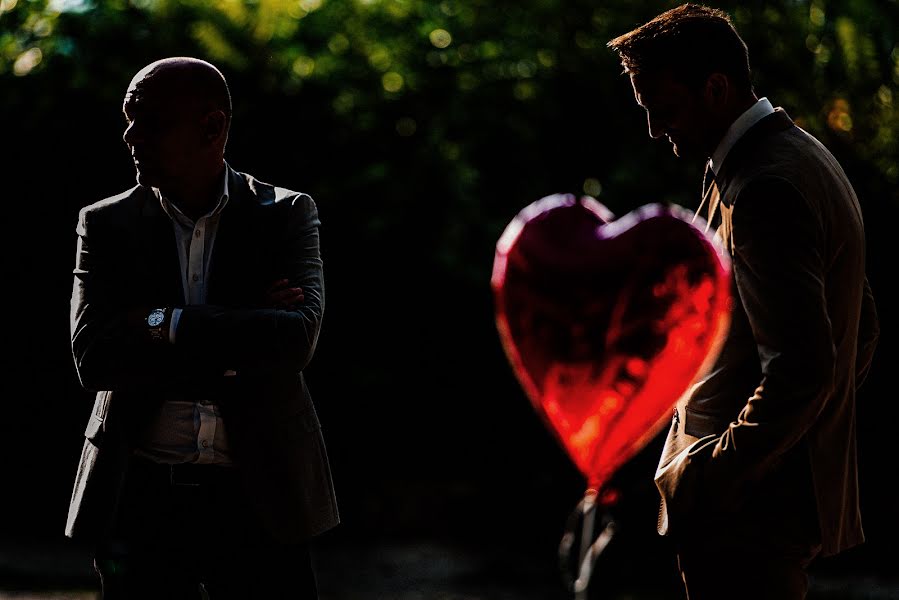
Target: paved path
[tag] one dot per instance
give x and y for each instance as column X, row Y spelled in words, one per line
column 398, row 570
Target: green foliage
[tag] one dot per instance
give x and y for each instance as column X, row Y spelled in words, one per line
column 450, row 116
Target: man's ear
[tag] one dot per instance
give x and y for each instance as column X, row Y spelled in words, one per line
column 717, row 89
column 215, row 125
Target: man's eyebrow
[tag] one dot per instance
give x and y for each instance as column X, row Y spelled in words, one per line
column 133, row 95
column 133, row 101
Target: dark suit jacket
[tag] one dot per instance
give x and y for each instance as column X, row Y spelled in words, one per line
column 126, row 258
column 765, row 446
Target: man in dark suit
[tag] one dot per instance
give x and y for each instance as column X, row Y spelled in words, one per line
column 758, row 474
column 197, row 302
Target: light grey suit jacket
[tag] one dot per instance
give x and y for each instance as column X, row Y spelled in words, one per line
column 764, row 445
column 126, row 257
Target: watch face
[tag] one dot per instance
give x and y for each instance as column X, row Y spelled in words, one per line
column 156, row 317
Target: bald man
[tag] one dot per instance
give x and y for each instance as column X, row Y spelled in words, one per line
column 197, row 302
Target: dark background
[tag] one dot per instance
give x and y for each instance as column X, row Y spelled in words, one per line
column 418, row 149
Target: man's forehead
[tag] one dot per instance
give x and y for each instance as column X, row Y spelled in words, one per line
column 155, row 92
column 646, row 82
column 137, row 92
column 156, row 82
column 650, row 86
column 136, row 97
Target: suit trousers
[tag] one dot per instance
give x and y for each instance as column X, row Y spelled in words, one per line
column 191, row 532
column 734, row 571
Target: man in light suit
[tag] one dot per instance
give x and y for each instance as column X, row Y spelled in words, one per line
column 758, row 475
column 197, row 302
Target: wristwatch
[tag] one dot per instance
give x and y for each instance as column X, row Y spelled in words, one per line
column 158, row 323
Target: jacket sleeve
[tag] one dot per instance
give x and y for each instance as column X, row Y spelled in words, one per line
column 108, row 350
column 779, row 272
column 255, row 340
column 868, row 335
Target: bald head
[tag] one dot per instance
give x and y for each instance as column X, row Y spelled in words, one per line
column 186, row 78
column 178, row 113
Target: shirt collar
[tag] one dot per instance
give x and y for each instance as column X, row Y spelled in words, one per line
column 175, row 213
column 755, row 113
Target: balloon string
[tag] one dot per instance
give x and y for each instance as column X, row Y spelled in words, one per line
column 587, row 562
column 589, row 514
column 589, row 552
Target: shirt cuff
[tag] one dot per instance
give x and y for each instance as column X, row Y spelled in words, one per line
column 176, row 316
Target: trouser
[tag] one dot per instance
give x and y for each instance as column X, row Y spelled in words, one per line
column 730, row 571
column 192, row 533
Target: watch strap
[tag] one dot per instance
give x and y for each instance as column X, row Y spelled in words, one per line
column 160, row 330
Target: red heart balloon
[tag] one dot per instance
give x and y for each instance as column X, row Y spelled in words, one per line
column 607, row 322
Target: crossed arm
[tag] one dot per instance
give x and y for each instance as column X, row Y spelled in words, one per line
column 112, row 350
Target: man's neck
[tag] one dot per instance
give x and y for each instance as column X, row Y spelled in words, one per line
column 198, row 196
column 743, row 122
column 735, row 112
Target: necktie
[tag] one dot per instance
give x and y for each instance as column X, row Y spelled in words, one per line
column 717, row 215
column 708, row 205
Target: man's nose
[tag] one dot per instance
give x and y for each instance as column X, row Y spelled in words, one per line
column 131, row 134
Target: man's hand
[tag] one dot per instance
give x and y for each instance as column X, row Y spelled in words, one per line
column 281, row 295
column 136, row 318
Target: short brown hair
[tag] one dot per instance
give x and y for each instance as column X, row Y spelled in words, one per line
column 692, row 41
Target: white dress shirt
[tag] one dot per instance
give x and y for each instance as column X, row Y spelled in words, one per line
column 190, row 429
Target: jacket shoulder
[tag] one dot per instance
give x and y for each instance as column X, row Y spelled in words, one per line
column 125, row 201
column 267, row 194
column 791, row 155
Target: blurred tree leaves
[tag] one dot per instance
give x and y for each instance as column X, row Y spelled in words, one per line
column 421, row 127
column 466, row 110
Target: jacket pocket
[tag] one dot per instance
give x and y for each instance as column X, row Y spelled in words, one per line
column 94, row 428
column 700, row 424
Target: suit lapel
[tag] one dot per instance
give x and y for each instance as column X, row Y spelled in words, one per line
column 226, row 251
column 779, row 120
column 161, row 274
column 721, row 211
column 236, row 261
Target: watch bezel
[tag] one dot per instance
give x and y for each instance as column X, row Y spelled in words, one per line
column 156, row 317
